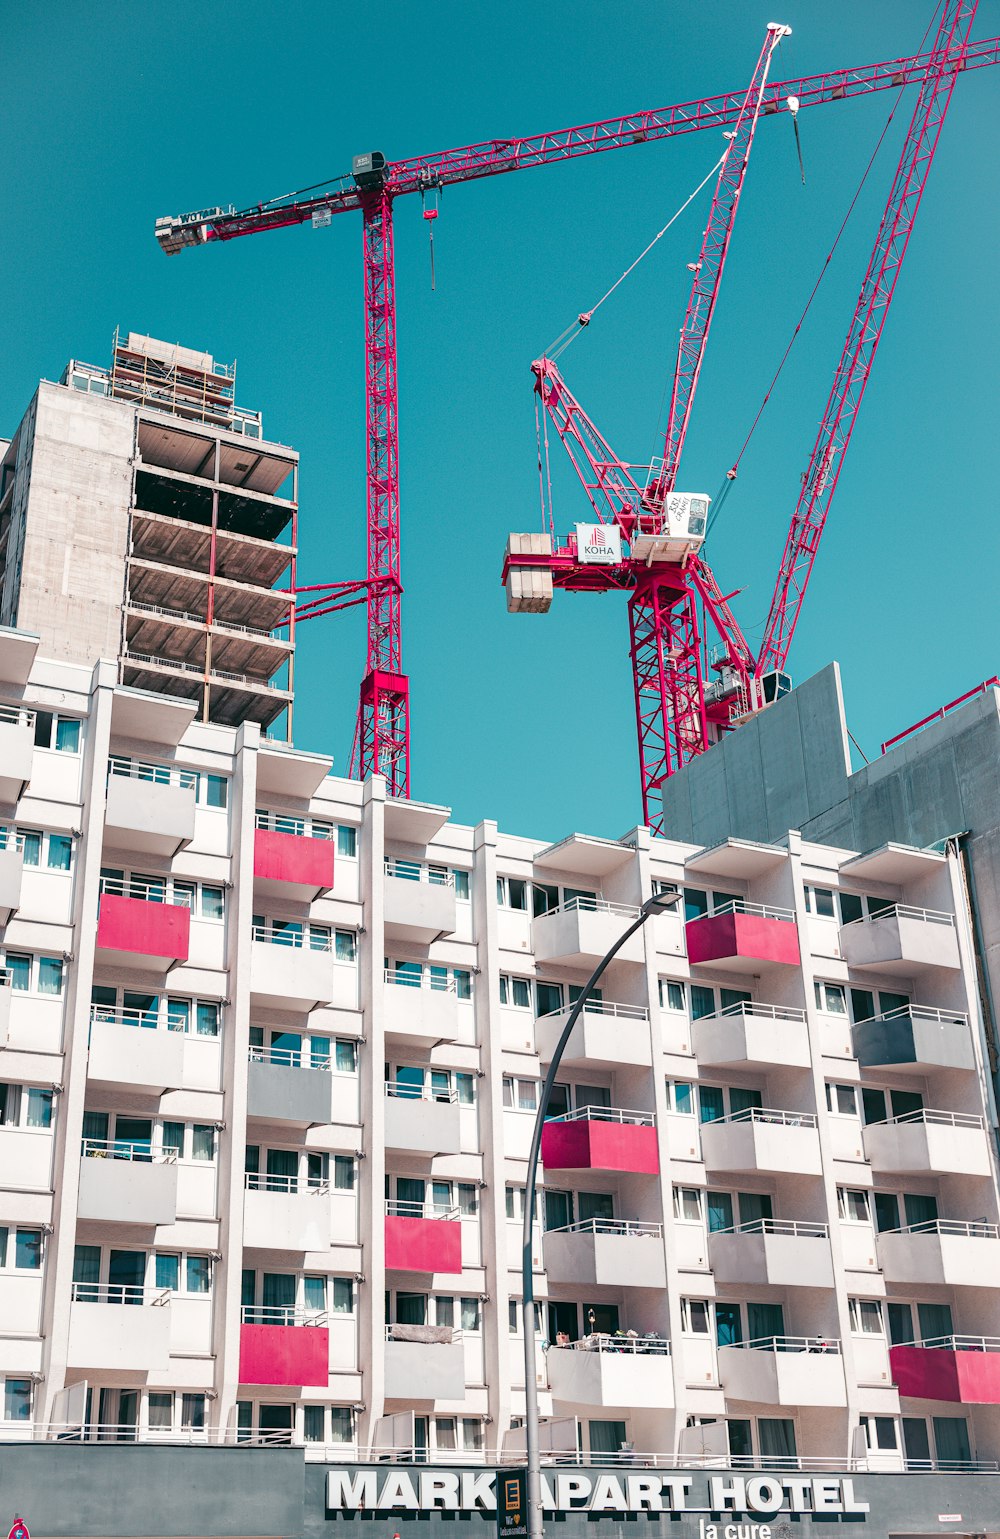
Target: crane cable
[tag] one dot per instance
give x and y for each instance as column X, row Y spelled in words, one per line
column 572, row 331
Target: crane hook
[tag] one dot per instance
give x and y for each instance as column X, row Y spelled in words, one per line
column 793, row 107
column 430, row 214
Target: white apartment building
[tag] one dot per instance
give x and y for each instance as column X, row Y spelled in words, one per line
column 270, row 1053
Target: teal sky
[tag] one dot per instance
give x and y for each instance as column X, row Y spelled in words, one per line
column 113, row 115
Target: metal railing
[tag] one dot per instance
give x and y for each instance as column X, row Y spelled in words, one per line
column 793, row 1228
column 931, row 1117
column 293, row 938
column 147, row 889
column 941, row 713
column 397, row 1208
column 128, row 1149
column 582, row 904
column 11, row 839
column 766, row 1114
column 290, row 1186
column 905, row 911
column 404, row 1090
column 167, row 614
column 760, row 910
column 602, row 1007
column 120, row 1293
column 628, row 1227
column 281, row 1314
column 6, row 978
column 287, row 823
column 960, row 1343
column 968, row 1228
column 920, row 1013
column 149, row 1020
column 618, row 1341
column 17, row 715
column 290, row 1058
column 754, row 1011
column 421, row 980
column 827, row 1345
column 157, row 774
column 132, row 656
column 413, row 871
column 608, row 1114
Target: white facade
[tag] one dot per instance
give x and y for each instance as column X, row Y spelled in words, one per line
column 237, row 1117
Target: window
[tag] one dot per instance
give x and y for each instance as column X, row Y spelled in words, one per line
column 852, row 1205
column 25, row 1106
column 61, row 733
column 702, row 1001
column 31, row 974
column 680, row 1097
column 881, row 1433
column 841, row 1100
column 520, row 1094
column 345, row 946
column 671, row 994
column 512, row 892
column 193, row 1412
column 462, row 885
column 20, row 1249
column 831, row 998
column 695, row 903
column 344, row 1173
column 515, row 992
column 696, row 1317
column 866, row 1317
column 687, row 1204
column 212, row 791
column 821, row 902
column 17, row 1399
column 347, row 841
column 54, row 851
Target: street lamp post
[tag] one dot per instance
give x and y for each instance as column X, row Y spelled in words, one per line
column 655, row 905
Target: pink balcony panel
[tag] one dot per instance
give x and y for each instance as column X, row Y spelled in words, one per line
column 732, row 940
column 136, row 927
column 423, row 1244
column 584, row 1145
column 939, row 1373
column 285, row 1354
column 293, row 860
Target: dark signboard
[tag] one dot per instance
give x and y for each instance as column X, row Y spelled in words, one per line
column 512, row 1504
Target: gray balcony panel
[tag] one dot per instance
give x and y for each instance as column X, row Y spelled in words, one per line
column 419, row 911
column 419, row 1370
column 907, row 1041
column 11, row 867
column 429, row 1126
column 128, row 1191
column 282, row 1093
column 605, row 1260
column 17, row 739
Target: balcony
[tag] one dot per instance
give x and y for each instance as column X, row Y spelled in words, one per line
column 752, row 1036
column 17, row 746
column 929, row 1142
column 901, row 939
column 784, row 1370
column 26, row 1160
column 424, row 1362
column 606, row 1252
column 287, row 1214
column 915, row 1037
column 962, row 1369
column 284, row 1346
column 419, row 904
column 424, row 1010
column 741, row 937
column 11, row 870
column 6, row 993
column 127, row 1049
column 631, row 1372
column 420, row 1238
column 780, row 1252
column 419, row 1118
column 150, row 807
column 290, row 865
column 281, row 1088
column 120, row 1327
column 763, row 1139
column 292, row 973
column 953, row 1252
column 602, row 1138
column 137, row 929
column 125, row 1183
column 579, row 933
column 604, row 1036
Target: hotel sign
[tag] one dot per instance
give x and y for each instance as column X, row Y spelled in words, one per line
column 430, row 1490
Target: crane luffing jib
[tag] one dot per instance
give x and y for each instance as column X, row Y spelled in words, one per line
column 854, row 368
column 382, row 741
column 495, row 157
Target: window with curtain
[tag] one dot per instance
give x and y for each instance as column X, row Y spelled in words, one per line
column 951, row 1440
column 754, row 1207
column 343, row 1295
column 728, row 1325
column 711, row 1105
column 764, row 1320
column 341, row 1424
column 720, row 1211
column 198, row 1274
column 278, row 1298
column 776, row 1437
column 916, row 1442
column 313, row 1417
column 314, row 1294
column 203, row 1141
column 344, row 1172
column 606, row 1437
column 50, row 975
column 900, row 1325
column 921, row 1211
column 886, row 1211
column 87, row 1272
column 168, row 1271
column 935, row 1321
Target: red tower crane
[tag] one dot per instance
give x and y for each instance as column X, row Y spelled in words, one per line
column 662, row 568
column 382, row 737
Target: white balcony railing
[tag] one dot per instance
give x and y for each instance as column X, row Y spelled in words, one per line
column 127, row 1149
column 154, row 1019
column 396, row 1208
column 626, row 1227
column 6, row 978
column 16, row 715
column 154, row 774
column 906, row 911
column 760, row 910
column 403, row 1090
column 828, row 1345
column 966, row 1228
column 960, row 1343
column 582, row 904
column 751, row 1010
column 931, row 1117
column 147, row 889
column 293, row 938
column 791, row 1227
column 281, row 1314
column 422, row 980
column 608, row 1114
column 413, row 871
column 920, row 1013
column 291, row 1186
column 290, row 1058
column 767, row 1114
column 619, row 1342
column 288, row 823
column 10, row 839
column 604, row 1007
column 119, row 1293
